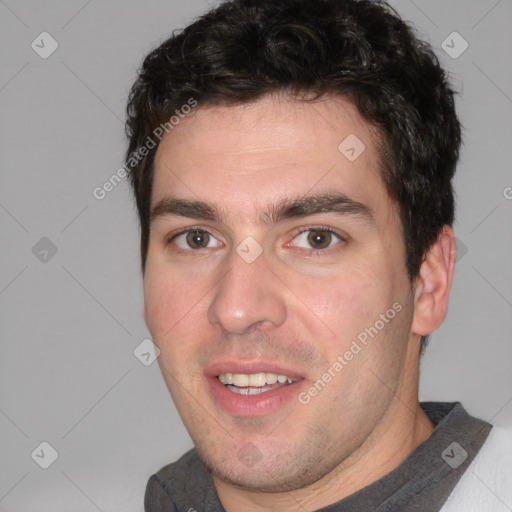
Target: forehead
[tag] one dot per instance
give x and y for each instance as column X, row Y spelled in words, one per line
column 245, row 157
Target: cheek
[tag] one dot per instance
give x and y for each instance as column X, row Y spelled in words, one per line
column 169, row 303
column 172, row 311
column 160, row 303
column 349, row 303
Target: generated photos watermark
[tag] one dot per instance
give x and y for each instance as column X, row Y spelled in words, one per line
column 137, row 156
column 356, row 347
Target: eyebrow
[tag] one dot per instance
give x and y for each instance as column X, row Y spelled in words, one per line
column 288, row 208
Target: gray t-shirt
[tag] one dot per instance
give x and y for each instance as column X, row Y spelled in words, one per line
column 422, row 482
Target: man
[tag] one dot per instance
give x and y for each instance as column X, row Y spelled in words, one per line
column 291, row 163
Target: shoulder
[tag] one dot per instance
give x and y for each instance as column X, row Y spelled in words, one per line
column 486, row 485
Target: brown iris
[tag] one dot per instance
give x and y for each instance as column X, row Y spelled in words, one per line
column 319, row 239
column 198, row 239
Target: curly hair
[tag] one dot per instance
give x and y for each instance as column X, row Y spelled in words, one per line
column 358, row 49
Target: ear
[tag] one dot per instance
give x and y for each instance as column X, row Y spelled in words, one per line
column 434, row 283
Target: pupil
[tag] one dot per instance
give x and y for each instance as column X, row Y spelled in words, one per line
column 197, row 239
column 319, row 239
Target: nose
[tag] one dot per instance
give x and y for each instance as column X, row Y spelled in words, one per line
column 249, row 294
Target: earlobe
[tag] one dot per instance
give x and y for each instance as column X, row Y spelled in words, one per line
column 434, row 284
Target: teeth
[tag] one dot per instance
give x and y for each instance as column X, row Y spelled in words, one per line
column 226, row 378
column 240, row 380
column 248, row 391
column 256, row 380
column 271, row 378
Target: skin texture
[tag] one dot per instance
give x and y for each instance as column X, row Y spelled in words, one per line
column 295, row 307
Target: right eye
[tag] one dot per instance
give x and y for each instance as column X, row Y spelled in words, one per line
column 194, row 239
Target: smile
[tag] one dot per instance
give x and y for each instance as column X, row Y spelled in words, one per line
column 254, row 383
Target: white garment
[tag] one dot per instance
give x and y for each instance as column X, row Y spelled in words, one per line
column 486, row 485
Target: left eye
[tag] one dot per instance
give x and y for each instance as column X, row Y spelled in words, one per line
column 317, row 239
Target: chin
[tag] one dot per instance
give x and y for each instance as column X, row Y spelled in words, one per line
column 266, row 472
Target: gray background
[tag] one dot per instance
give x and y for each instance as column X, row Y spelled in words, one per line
column 70, row 323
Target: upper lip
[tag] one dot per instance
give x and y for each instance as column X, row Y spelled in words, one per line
column 248, row 367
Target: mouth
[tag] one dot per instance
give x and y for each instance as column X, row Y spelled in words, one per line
column 257, row 391
column 254, row 383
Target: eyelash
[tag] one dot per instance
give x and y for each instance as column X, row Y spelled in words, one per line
column 317, row 252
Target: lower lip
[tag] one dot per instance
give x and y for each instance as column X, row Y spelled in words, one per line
column 253, row 405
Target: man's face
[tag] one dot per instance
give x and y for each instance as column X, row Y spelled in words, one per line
column 255, row 287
